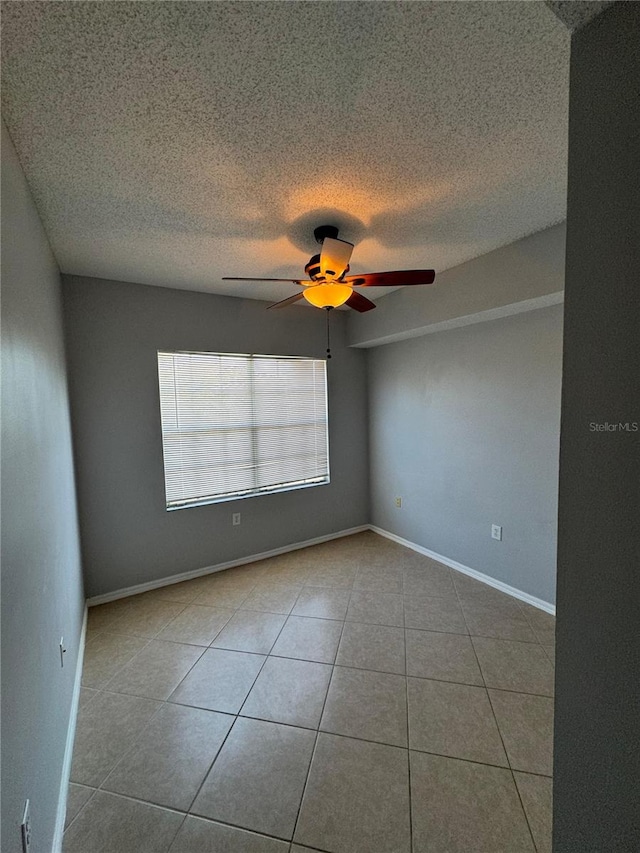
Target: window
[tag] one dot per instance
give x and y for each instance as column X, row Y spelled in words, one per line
column 234, row 426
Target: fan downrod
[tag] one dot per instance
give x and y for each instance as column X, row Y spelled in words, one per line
column 323, row 231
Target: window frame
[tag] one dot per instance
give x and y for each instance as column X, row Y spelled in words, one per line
column 293, row 485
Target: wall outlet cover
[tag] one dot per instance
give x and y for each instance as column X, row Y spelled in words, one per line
column 496, row 532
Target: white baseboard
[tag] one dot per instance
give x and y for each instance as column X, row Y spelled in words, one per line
column 207, row 570
column 479, row 576
column 68, row 750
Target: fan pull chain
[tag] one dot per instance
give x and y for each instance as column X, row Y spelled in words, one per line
column 327, row 309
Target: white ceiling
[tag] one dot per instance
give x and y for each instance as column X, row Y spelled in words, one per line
column 174, row 143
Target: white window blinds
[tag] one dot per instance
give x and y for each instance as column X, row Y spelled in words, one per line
column 241, row 425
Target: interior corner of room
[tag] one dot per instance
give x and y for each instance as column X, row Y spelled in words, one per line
column 453, row 410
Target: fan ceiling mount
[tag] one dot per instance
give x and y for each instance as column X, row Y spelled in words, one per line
column 329, row 286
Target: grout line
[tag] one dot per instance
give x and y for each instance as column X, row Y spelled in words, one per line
column 406, row 693
column 236, row 716
column 315, row 744
column 495, row 720
column 82, row 807
column 215, row 758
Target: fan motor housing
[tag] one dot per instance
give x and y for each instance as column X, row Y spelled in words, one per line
column 323, row 231
column 312, row 269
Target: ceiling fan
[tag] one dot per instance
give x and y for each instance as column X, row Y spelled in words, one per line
column 329, row 286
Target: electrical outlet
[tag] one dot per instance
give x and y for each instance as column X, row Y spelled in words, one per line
column 398, row 502
column 25, row 829
column 496, row 532
column 235, row 519
column 63, row 651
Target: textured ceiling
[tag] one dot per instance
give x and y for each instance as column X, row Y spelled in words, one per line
column 174, row 143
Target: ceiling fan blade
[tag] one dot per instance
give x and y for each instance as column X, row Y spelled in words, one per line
column 393, row 278
column 286, row 302
column 334, row 257
column 359, row 302
column 288, row 280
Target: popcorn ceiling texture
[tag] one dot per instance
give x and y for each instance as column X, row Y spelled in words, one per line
column 172, row 143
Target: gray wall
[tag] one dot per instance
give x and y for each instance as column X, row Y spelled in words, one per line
column 41, row 578
column 513, row 279
column 597, row 756
column 464, row 427
column 114, row 332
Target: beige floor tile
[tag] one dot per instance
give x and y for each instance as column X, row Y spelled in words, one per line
column 289, row 691
column 367, row 705
column 225, row 588
column 156, row 671
column 454, row 720
column 340, row 575
column 250, row 631
column 322, row 603
column 197, row 624
column 172, row 756
column 543, row 624
column 414, row 560
column 238, row 577
column 111, row 824
column 161, row 753
column 503, row 621
column 526, row 726
column 105, row 731
column 550, row 652
column 220, row 681
column 205, row 836
column 376, row 608
column 283, row 575
column 459, row 807
column 298, row 848
column 255, row 571
column 294, row 574
column 146, row 617
column 470, row 589
column 379, row 580
column 101, row 616
column 376, row 647
column 306, row 638
column 429, row 613
column 220, row 596
column 258, row 778
column 536, row 793
column 510, row 665
column 181, row 593
column 105, row 654
column 77, row 797
column 448, row 657
column 432, row 580
column 87, row 694
column 356, row 799
column 274, row 598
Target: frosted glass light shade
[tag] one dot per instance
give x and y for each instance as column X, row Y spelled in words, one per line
column 327, row 295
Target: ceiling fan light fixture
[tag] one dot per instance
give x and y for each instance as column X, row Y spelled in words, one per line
column 327, row 295
column 334, row 258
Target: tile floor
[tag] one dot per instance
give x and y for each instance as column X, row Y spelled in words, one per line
column 353, row 697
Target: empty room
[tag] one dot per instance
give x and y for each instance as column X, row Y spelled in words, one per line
column 320, row 427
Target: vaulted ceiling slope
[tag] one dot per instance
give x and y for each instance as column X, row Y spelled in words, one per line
column 172, row 143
